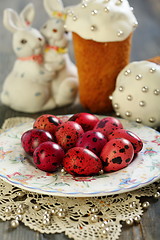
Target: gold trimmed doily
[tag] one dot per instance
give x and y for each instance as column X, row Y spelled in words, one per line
column 79, row 218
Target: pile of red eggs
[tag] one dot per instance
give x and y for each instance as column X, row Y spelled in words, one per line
column 82, row 145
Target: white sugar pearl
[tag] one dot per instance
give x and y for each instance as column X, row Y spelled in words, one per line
column 129, row 97
column 129, row 221
column 145, row 205
column 116, row 106
column 101, row 172
column 46, row 222
column 119, row 2
column 152, row 119
column 152, row 70
column 8, row 210
column 84, row 5
column 137, row 219
column 118, row 114
column 62, row 170
column 145, row 89
column 120, row 33
column 94, row 218
column 37, row 207
column 128, row 113
column 61, row 214
column 74, row 18
column 135, row 24
column 14, row 223
column 141, row 103
column 138, row 120
column 127, row 72
column 106, row 9
column 106, row 231
column 121, row 88
column 93, row 28
column 156, row 195
column 156, row 91
column 132, row 205
column 94, row 210
column 19, row 217
column 138, row 77
column 94, row 12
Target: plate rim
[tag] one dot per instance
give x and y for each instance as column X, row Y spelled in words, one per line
column 80, row 194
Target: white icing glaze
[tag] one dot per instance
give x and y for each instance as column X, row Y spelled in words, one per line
column 137, row 93
column 101, row 20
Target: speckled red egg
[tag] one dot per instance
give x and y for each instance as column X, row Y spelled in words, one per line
column 67, row 134
column 132, row 137
column 116, row 154
column 107, row 125
column 48, row 156
column 92, row 140
column 81, row 161
column 48, row 123
column 31, row 139
column 86, row 120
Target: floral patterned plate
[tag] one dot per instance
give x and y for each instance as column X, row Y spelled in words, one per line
column 18, row 170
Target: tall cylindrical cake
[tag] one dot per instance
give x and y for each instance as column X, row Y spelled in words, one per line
column 102, row 32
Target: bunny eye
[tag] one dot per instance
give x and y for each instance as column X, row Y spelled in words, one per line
column 45, row 26
column 23, row 41
column 54, row 30
column 40, row 39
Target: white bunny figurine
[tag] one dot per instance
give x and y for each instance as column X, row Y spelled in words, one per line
column 56, row 58
column 27, row 87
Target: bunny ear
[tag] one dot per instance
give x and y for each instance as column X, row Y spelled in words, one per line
column 27, row 15
column 52, row 6
column 11, row 20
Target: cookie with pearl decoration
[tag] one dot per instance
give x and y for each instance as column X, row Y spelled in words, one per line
column 137, row 92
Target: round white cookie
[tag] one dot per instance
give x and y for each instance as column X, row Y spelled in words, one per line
column 101, row 20
column 137, row 93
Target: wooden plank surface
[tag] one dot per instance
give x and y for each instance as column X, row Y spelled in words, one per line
column 146, row 44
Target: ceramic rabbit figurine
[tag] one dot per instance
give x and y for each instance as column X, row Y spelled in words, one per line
column 27, row 87
column 65, row 82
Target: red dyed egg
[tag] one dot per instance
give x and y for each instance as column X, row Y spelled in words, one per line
column 48, row 123
column 67, row 134
column 32, row 138
column 108, row 125
column 81, row 161
column 86, row 120
column 92, row 140
column 132, row 137
column 116, row 154
column 48, row 156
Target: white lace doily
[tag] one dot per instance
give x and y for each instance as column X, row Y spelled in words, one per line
column 79, row 218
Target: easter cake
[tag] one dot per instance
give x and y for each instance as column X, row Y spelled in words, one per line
column 102, row 32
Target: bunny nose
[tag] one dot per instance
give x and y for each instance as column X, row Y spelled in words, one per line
column 55, row 30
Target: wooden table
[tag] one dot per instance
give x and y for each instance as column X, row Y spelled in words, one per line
column 146, row 44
